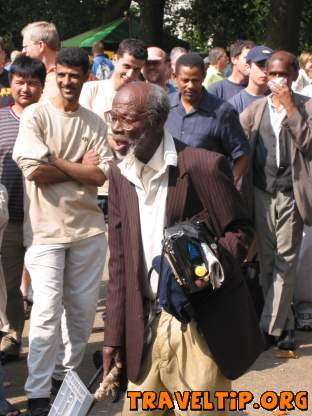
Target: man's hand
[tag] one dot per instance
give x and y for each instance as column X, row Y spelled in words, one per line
column 52, row 158
column 111, row 356
column 283, row 93
column 91, row 158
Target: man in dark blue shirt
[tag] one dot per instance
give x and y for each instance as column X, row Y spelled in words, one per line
column 199, row 119
column 238, row 79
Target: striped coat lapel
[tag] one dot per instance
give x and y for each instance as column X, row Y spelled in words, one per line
column 133, row 216
column 177, row 193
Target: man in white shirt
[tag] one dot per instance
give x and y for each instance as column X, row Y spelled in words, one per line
column 64, row 228
column 98, row 96
column 160, row 182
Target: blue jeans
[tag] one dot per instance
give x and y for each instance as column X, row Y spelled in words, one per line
column 3, row 404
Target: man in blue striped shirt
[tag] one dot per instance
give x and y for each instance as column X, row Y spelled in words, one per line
column 27, row 78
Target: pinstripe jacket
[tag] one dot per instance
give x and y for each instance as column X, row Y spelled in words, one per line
column 202, row 183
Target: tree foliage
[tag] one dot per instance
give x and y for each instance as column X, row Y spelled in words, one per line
column 70, row 16
column 202, row 23
column 218, row 23
column 278, row 23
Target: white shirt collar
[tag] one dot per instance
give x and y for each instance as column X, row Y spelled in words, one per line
column 165, row 155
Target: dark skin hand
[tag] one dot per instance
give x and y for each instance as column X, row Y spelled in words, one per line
column 284, row 96
column 111, row 357
column 91, row 158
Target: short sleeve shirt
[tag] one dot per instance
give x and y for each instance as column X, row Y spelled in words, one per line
column 242, row 100
column 213, row 125
column 225, row 89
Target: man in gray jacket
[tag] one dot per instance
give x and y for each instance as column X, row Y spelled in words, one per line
column 278, row 127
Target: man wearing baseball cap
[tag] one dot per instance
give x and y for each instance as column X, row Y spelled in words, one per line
column 257, row 84
column 157, row 69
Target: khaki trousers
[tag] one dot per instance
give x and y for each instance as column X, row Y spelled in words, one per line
column 177, row 361
column 279, row 231
column 12, row 261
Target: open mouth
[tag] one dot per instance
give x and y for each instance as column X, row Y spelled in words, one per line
column 122, row 143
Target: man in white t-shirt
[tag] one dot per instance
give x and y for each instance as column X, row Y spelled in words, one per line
column 63, row 154
column 98, row 96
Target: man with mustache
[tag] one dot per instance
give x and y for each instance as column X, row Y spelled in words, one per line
column 199, row 119
column 64, row 228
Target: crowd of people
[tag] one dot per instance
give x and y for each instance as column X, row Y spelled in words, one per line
column 142, row 142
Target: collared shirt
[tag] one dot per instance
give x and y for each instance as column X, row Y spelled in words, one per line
column 213, row 125
column 170, row 88
column 151, row 185
column 277, row 115
column 212, row 76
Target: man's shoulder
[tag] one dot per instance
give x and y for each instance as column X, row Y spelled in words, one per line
column 92, row 87
column 4, row 112
column 90, row 117
column 302, row 100
column 8, row 118
column 218, row 86
column 256, row 105
column 225, row 88
column 174, row 98
column 237, row 97
column 36, row 108
column 214, row 103
column 199, row 159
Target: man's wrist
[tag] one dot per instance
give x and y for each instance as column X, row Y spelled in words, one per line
column 290, row 108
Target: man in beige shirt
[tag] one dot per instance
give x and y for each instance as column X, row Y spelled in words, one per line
column 62, row 151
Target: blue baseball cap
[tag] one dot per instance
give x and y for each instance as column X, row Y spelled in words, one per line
column 259, row 53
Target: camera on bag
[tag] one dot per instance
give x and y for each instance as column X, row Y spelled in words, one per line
column 193, row 256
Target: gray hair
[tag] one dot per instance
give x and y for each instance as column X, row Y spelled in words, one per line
column 215, row 54
column 157, row 104
column 43, row 32
column 176, row 52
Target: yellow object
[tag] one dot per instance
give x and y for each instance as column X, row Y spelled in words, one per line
column 200, row 271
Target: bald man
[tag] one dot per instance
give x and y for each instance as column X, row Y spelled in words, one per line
column 157, row 69
column 151, row 189
column 281, row 146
